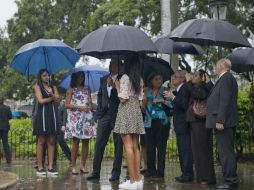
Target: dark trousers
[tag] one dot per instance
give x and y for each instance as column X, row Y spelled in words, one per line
column 202, row 151
column 156, row 139
column 225, row 143
column 105, row 126
column 185, row 154
column 7, row 151
column 61, row 141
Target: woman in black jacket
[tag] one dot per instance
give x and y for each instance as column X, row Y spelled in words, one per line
column 201, row 137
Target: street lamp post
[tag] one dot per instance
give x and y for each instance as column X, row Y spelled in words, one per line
column 218, row 9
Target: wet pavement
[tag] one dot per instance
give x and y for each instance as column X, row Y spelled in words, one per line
column 65, row 181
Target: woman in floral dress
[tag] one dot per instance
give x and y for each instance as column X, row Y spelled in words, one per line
column 80, row 119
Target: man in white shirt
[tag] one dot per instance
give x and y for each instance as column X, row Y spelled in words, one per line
column 106, row 112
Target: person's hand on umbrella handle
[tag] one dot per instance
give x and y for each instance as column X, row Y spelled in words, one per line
column 110, row 81
column 219, row 126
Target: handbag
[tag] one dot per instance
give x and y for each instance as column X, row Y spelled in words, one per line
column 199, row 108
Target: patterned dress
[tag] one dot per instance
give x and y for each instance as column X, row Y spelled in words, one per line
column 79, row 123
column 129, row 118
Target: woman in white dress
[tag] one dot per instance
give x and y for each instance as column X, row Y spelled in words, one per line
column 80, row 119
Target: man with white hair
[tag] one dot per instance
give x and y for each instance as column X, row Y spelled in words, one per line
column 222, row 115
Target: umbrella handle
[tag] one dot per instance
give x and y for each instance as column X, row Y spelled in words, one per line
column 206, row 62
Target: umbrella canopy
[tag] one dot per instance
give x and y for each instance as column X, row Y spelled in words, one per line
column 93, row 73
column 209, row 32
column 168, row 46
column 153, row 64
column 242, row 60
column 115, row 40
column 50, row 54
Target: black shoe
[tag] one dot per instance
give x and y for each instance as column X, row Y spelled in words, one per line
column 114, row 178
column 227, row 186
column 158, row 176
column 93, row 177
column 148, row 174
column 183, row 179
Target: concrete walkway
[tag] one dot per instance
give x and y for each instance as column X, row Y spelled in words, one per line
column 7, row 179
column 65, row 181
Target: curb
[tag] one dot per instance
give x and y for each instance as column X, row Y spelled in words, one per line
column 10, row 179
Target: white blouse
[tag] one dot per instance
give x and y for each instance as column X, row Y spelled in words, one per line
column 126, row 90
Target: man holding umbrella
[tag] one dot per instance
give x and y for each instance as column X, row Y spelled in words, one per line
column 107, row 109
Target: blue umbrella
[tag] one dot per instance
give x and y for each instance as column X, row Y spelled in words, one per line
column 50, row 54
column 93, row 73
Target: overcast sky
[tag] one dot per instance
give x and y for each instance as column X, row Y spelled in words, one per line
column 7, row 10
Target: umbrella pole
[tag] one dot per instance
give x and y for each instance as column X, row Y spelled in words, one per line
column 206, row 62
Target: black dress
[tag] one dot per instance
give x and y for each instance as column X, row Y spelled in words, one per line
column 46, row 118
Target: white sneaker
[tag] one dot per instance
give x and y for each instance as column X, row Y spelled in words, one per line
column 128, row 185
column 52, row 172
column 140, row 184
column 41, row 173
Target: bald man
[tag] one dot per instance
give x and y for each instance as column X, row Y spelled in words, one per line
column 222, row 116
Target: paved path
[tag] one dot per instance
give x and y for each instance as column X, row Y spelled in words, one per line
column 65, row 181
column 7, row 179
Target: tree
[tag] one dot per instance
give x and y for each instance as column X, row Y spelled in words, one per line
column 140, row 13
column 37, row 19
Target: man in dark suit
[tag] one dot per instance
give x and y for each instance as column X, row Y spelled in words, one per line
column 106, row 112
column 5, row 116
column 180, row 99
column 222, row 115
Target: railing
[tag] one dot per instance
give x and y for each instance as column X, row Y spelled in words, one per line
column 23, row 145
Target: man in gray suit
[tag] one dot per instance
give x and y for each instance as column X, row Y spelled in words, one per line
column 222, row 115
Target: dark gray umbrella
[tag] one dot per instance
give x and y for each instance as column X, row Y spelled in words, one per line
column 209, row 32
column 153, row 64
column 242, row 60
column 115, row 40
column 168, row 46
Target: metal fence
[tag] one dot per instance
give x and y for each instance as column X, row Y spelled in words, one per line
column 23, row 145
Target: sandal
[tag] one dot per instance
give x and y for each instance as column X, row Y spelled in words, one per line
column 83, row 171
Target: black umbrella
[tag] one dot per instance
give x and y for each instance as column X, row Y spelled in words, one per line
column 115, row 40
column 168, row 46
column 209, row 32
column 153, row 64
column 242, row 60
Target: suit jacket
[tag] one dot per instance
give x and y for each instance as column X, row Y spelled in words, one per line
column 222, row 102
column 180, row 107
column 105, row 103
column 5, row 116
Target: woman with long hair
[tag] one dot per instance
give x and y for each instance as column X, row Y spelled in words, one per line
column 46, row 122
column 201, row 137
column 129, row 122
column 79, row 124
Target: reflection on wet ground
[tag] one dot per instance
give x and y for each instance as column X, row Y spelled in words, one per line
column 65, row 181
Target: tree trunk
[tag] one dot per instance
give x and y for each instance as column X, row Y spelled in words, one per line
column 174, row 9
column 165, row 22
column 169, row 18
